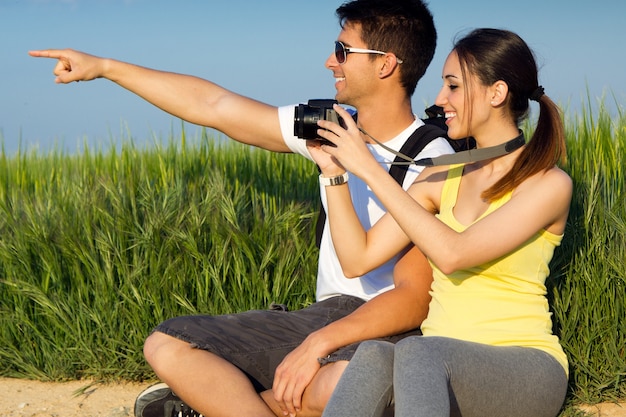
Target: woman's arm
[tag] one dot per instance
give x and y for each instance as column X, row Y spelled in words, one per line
column 542, row 202
column 349, row 237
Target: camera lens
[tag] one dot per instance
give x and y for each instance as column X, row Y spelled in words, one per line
column 305, row 121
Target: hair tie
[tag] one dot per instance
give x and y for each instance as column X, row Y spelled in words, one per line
column 536, row 95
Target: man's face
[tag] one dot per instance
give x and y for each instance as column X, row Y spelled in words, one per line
column 353, row 78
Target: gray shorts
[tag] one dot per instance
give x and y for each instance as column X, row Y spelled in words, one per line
column 256, row 341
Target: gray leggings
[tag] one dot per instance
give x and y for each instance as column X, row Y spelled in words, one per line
column 437, row 376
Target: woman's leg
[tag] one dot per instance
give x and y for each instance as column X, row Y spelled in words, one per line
column 365, row 388
column 420, row 380
column 483, row 380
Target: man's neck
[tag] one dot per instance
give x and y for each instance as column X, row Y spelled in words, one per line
column 385, row 122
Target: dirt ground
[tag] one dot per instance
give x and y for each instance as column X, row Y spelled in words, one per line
column 23, row 398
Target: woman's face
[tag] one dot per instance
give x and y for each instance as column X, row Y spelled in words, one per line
column 464, row 100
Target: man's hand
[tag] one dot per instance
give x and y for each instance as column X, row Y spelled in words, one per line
column 328, row 165
column 72, row 65
column 294, row 374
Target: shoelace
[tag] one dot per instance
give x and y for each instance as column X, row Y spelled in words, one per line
column 183, row 410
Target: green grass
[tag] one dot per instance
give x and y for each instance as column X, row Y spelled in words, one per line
column 97, row 248
column 589, row 297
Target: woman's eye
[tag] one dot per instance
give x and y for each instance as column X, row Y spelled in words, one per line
column 453, row 87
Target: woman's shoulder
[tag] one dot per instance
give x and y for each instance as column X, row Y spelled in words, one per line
column 553, row 178
column 550, row 193
column 557, row 178
column 428, row 186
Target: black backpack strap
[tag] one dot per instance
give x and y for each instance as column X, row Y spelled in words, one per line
column 413, row 146
column 319, row 226
column 418, row 140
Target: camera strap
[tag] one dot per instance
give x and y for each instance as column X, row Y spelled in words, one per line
column 463, row 157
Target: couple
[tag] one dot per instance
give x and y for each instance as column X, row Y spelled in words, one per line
column 488, row 229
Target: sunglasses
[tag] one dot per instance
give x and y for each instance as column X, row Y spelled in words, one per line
column 341, row 52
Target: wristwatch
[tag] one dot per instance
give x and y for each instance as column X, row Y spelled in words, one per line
column 338, row 180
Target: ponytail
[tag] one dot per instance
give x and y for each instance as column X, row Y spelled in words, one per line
column 543, row 151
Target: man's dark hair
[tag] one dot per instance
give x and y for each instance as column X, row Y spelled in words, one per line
column 404, row 27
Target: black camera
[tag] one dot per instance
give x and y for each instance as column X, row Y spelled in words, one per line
column 306, row 116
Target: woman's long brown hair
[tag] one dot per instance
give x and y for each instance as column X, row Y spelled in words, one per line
column 500, row 55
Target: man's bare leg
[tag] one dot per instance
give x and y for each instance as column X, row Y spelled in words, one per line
column 316, row 395
column 204, row 381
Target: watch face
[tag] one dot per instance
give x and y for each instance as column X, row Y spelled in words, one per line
column 338, row 180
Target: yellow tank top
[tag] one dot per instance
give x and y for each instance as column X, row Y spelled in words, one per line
column 500, row 303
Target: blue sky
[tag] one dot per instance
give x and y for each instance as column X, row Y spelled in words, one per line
column 271, row 50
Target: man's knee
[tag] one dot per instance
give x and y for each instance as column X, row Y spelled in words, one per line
column 320, row 389
column 317, row 394
column 151, row 345
column 159, row 346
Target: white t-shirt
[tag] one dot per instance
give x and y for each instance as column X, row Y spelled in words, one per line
column 330, row 278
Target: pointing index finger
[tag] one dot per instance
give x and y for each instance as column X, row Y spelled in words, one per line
column 45, row 53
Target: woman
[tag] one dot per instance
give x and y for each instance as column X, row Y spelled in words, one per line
column 489, row 228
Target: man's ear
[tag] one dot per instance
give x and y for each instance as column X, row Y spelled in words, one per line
column 389, row 65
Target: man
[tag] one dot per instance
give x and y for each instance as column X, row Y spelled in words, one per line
column 265, row 363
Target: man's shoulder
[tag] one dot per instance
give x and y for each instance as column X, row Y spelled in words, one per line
column 427, row 140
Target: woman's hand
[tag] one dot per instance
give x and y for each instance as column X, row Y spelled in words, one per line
column 349, row 150
column 329, row 166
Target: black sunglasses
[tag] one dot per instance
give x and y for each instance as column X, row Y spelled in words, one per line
column 341, row 52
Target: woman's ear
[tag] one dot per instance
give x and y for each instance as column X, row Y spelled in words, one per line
column 499, row 92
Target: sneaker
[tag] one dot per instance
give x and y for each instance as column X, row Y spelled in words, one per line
column 159, row 400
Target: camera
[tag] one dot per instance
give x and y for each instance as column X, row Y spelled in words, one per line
column 306, row 116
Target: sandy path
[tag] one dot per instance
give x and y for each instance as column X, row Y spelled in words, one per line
column 24, row 398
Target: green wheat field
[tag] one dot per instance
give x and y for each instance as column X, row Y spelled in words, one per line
column 98, row 247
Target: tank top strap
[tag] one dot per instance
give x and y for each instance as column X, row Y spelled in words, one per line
column 450, row 189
